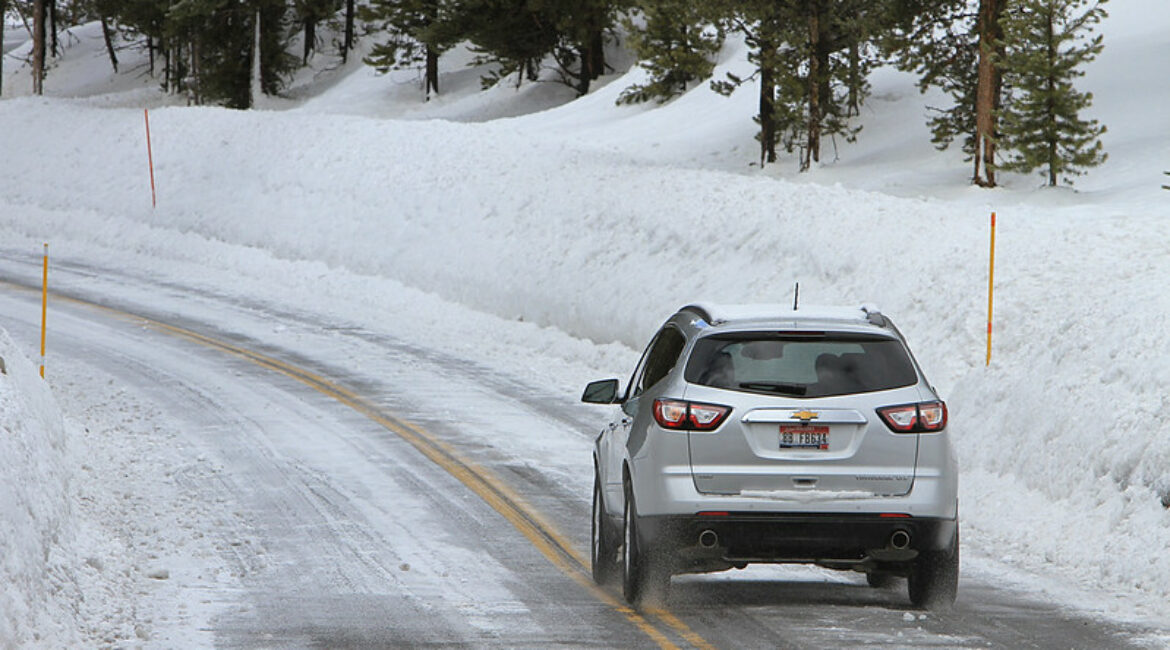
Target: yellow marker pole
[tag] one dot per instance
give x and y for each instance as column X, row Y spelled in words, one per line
column 44, row 306
column 990, row 288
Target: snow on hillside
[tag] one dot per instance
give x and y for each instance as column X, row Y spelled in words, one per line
column 595, row 221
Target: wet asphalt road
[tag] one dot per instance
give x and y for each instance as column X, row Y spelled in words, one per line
column 363, row 541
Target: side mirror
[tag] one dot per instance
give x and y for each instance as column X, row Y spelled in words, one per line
column 601, row 392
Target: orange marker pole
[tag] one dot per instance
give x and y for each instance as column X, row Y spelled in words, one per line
column 990, row 288
column 44, row 306
column 150, row 158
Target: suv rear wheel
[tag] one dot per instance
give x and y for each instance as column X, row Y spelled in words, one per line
column 934, row 579
column 641, row 574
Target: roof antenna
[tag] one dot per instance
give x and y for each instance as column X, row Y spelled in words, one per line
column 796, row 298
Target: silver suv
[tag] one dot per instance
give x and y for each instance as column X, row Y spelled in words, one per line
column 763, row 434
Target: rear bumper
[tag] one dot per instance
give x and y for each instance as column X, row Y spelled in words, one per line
column 860, row 541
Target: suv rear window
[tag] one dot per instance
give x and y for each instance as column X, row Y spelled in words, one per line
column 818, row 365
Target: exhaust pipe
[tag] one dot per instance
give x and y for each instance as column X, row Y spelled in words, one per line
column 900, row 540
column 708, row 539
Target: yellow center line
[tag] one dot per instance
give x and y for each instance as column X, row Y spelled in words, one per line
column 526, row 519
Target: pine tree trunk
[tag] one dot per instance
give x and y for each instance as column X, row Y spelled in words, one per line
column 989, row 90
column 3, row 12
column 432, row 72
column 855, row 79
column 53, row 23
column 110, row 44
column 590, row 51
column 1050, row 102
column 430, row 16
column 767, row 103
column 38, row 71
column 53, row 28
column 193, row 74
column 816, row 70
column 583, row 74
column 348, row 45
column 597, row 49
column 310, row 39
column 255, row 71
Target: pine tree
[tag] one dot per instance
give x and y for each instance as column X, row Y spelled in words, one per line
column 759, row 22
column 215, row 37
column 580, row 53
column 954, row 45
column 938, row 41
column 1046, row 43
column 309, row 14
column 675, row 45
column 989, row 89
column 518, row 36
column 812, row 58
column 825, row 70
column 510, row 36
column 412, row 41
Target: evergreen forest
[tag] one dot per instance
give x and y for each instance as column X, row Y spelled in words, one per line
column 1009, row 68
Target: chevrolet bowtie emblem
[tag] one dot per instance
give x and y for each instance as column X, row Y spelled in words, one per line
column 805, row 416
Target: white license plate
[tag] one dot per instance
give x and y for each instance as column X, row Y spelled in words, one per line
column 800, row 436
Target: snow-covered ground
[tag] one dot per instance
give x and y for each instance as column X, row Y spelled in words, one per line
column 549, row 245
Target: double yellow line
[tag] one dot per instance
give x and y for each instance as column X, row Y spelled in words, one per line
column 540, row 532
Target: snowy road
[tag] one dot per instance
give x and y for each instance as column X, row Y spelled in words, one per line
column 342, row 487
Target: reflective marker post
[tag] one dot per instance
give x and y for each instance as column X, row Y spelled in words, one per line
column 44, row 306
column 990, row 288
column 149, row 157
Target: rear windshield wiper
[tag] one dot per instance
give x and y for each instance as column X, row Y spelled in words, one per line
column 786, row 389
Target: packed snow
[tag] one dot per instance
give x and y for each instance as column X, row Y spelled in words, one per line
column 36, row 506
column 548, row 238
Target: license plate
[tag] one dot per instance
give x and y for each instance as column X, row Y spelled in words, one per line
column 799, row 436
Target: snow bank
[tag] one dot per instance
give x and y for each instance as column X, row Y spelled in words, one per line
column 37, row 593
column 1066, row 431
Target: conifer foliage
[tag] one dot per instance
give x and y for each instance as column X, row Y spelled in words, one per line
column 412, row 38
column 510, row 37
column 1046, row 43
column 676, row 42
column 523, row 37
column 212, row 44
column 939, row 41
column 1008, row 67
column 813, row 59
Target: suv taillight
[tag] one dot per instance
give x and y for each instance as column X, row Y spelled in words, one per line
column 923, row 417
column 680, row 415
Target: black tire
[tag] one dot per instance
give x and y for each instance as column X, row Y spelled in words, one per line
column 642, row 575
column 934, row 580
column 603, row 546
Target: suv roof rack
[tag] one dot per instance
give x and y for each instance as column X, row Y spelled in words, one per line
column 873, row 314
column 716, row 314
column 699, row 311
